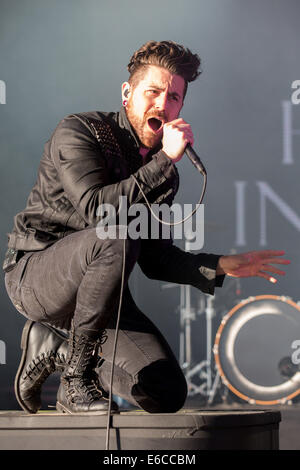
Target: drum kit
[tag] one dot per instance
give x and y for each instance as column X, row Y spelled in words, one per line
column 253, row 354
column 253, row 350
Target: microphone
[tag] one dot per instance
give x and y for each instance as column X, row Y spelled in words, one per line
column 190, row 152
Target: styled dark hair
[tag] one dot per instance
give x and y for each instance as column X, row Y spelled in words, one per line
column 167, row 54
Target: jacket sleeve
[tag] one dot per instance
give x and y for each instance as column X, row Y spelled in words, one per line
column 83, row 172
column 160, row 259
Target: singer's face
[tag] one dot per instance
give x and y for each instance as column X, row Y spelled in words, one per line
column 156, row 99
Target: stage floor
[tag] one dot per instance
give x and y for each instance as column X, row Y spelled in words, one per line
column 289, row 428
column 189, row 429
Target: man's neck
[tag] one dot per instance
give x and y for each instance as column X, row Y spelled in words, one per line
column 143, row 151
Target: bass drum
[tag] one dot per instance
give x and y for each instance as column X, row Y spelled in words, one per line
column 257, row 350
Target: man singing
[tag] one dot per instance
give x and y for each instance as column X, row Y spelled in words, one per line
column 62, row 277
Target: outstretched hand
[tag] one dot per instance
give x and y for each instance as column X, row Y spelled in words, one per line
column 253, row 263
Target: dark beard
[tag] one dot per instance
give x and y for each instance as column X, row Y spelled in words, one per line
column 146, row 138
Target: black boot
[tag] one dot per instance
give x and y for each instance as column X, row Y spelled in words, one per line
column 44, row 352
column 80, row 390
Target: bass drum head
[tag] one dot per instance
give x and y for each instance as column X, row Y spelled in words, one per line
column 256, row 349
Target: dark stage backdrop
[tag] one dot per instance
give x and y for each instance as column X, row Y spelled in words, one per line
column 68, row 56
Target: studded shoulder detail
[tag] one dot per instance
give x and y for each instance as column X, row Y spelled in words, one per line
column 105, row 137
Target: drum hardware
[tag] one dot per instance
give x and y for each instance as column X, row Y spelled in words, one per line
column 204, row 371
column 287, row 368
column 223, row 371
column 202, row 378
column 187, row 316
column 250, row 359
column 266, row 326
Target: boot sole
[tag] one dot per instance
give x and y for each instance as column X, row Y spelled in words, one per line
column 62, row 409
column 24, row 346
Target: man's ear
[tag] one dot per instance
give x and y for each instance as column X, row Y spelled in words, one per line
column 125, row 90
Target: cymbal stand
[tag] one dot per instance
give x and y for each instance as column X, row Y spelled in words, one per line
column 187, row 315
column 204, row 369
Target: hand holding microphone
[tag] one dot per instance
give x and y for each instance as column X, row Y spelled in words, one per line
column 178, row 139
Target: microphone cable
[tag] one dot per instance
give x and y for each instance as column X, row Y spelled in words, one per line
column 115, row 345
column 172, row 224
column 108, row 425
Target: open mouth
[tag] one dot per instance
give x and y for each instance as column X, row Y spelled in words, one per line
column 155, row 124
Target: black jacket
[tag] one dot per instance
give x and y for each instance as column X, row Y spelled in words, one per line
column 76, row 175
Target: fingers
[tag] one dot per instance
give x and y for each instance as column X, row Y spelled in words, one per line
column 177, row 121
column 184, row 128
column 266, row 276
column 259, row 263
column 278, row 261
column 176, row 135
column 268, row 256
column 180, row 124
column 267, row 253
column 189, row 140
column 272, row 269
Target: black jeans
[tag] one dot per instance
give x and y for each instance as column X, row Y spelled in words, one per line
column 79, row 278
